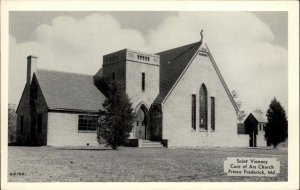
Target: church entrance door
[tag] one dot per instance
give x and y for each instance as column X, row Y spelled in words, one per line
column 141, row 123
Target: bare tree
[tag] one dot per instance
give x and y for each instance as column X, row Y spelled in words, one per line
column 241, row 114
column 259, row 111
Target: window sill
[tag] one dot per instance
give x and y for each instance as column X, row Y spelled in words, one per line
column 202, row 130
column 193, row 130
column 87, row 131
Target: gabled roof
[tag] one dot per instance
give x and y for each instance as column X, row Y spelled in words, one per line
column 69, row 91
column 260, row 117
column 251, row 119
column 172, row 64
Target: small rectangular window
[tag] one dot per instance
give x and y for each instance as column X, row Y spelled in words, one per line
column 212, row 118
column 87, row 123
column 143, row 81
column 39, row 122
column 22, row 124
column 194, row 111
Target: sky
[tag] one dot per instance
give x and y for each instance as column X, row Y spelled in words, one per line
column 250, row 48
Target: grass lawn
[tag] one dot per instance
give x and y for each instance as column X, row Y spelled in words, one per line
column 42, row 164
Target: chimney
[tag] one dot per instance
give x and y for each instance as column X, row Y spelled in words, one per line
column 31, row 67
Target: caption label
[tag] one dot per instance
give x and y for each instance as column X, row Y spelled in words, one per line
column 248, row 166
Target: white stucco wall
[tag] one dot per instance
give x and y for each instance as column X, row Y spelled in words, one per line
column 177, row 127
column 63, row 131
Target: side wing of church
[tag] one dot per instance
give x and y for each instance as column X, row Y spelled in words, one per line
column 179, row 97
column 57, row 108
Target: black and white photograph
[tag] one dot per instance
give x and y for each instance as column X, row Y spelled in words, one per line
column 149, row 95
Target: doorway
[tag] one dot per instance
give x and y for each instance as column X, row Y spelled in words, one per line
column 141, row 123
column 252, row 139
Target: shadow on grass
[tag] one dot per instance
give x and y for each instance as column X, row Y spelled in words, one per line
column 93, row 149
column 260, row 148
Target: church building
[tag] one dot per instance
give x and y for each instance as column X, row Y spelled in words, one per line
column 179, row 97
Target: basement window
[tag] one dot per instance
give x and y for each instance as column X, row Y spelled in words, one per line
column 87, row 123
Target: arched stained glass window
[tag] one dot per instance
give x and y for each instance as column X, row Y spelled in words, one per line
column 203, row 107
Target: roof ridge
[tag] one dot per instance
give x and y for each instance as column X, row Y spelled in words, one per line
column 222, row 79
column 65, row 72
column 180, row 57
column 192, row 45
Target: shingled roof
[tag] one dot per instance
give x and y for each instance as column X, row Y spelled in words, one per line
column 172, row 63
column 69, row 91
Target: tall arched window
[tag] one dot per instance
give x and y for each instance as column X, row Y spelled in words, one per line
column 203, row 107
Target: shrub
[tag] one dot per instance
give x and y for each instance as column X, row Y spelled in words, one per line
column 117, row 117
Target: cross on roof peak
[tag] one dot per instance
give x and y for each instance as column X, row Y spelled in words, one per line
column 201, row 34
